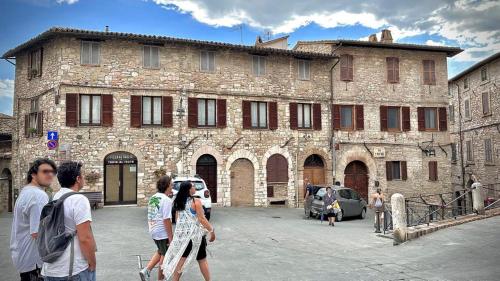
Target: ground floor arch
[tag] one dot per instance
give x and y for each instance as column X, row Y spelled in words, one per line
column 206, row 168
column 7, row 189
column 356, row 177
column 242, row 183
column 120, row 178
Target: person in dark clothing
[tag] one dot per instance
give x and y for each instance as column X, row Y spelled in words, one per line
column 329, row 208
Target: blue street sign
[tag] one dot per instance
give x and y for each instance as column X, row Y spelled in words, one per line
column 52, row 135
column 52, row 144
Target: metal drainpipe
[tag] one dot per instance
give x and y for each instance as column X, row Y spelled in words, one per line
column 460, row 135
column 334, row 156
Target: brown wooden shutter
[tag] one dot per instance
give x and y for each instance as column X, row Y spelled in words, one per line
column 396, row 70
column 293, row 116
column 405, row 110
column 346, row 67
column 27, row 125
column 421, row 118
column 350, row 68
column 247, row 115
column 336, row 116
column 383, row 118
column 432, row 73
column 192, row 112
column 40, row 60
column 433, row 171
column 107, row 110
column 390, row 70
column 72, row 110
column 317, row 116
column 167, row 111
column 360, row 118
column 443, row 122
column 388, row 170
column 426, row 71
column 135, row 111
column 39, row 125
column 404, row 172
column 221, row 113
column 273, row 115
column 30, row 60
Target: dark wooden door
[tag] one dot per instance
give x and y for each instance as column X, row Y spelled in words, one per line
column 356, row 177
column 314, row 172
column 206, row 168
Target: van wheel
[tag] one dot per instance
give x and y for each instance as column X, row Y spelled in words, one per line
column 363, row 214
column 340, row 216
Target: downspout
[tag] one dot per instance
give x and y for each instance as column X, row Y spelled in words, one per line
column 460, row 134
column 332, row 136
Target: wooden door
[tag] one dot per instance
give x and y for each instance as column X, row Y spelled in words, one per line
column 242, row 183
column 206, row 168
column 356, row 177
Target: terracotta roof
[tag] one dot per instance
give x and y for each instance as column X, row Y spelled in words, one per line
column 475, row 66
column 450, row 51
column 102, row 35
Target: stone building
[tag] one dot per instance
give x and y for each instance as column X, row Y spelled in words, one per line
column 253, row 121
column 6, row 188
column 475, row 126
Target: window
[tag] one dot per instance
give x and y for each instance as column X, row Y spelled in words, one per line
column 259, row 65
column 484, row 74
column 394, row 170
column 304, row 69
column 346, row 117
column 392, row 69
column 467, row 108
column 35, row 63
column 466, row 83
column 90, row 110
column 346, row 67
column 488, row 155
column 486, row 103
column 451, row 110
column 453, row 152
column 33, row 116
column 151, row 110
column 258, row 114
column 90, row 53
column 151, row 55
column 468, row 147
column 206, row 112
column 429, row 72
column 207, row 61
column 433, row 171
column 394, row 118
column 304, row 116
column 431, row 119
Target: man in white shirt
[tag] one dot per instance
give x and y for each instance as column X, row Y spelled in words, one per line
column 160, row 225
column 77, row 218
column 27, row 211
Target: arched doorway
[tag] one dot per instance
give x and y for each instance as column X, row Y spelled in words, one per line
column 314, row 171
column 277, row 176
column 356, row 177
column 120, row 178
column 206, row 168
column 242, row 183
column 6, row 177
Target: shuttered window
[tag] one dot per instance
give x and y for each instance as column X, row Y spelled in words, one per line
column 485, row 97
column 393, row 118
column 396, row 170
column 33, row 121
column 258, row 114
column 392, row 69
column 451, row 113
column 346, row 67
column 151, row 57
column 433, row 171
column 488, row 151
column 467, row 109
column 207, row 61
column 347, row 117
column 469, row 151
column 466, row 83
column 304, row 69
column 277, row 169
column 304, row 114
column 259, row 65
column 429, row 72
column 90, row 53
column 484, row 74
column 90, row 110
column 206, row 113
column 150, row 111
column 432, row 119
column 35, row 63
column 453, row 152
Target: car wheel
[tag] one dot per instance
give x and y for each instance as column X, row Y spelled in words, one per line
column 340, row 216
column 363, row 214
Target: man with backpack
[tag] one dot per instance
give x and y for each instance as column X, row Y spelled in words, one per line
column 69, row 211
column 27, row 211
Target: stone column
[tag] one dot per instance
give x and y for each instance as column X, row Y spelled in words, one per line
column 399, row 218
column 477, row 198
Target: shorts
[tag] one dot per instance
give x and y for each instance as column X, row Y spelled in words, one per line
column 33, row 275
column 162, row 246
column 330, row 215
column 202, row 252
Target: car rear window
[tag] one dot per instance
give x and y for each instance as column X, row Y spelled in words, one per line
column 198, row 185
column 345, row 193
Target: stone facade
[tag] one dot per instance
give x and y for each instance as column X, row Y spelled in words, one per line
column 6, row 189
column 121, row 74
column 477, row 126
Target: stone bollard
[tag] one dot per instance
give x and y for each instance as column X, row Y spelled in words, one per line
column 399, row 218
column 477, row 198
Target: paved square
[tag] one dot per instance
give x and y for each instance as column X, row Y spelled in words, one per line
column 277, row 244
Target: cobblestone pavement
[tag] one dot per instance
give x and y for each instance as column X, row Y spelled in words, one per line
column 277, row 244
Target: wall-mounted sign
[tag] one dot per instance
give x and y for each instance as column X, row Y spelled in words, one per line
column 379, row 152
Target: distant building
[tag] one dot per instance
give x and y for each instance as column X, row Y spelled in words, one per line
column 7, row 128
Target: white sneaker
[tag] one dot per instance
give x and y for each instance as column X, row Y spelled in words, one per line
column 145, row 274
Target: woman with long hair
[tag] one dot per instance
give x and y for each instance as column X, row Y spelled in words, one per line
column 189, row 235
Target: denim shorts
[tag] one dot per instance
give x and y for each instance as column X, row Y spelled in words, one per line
column 85, row 275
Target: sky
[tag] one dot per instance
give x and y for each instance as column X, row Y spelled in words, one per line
column 472, row 25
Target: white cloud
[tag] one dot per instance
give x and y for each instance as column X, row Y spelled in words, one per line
column 66, row 1
column 7, row 88
column 470, row 23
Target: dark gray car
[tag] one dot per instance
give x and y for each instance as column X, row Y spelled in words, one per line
column 351, row 204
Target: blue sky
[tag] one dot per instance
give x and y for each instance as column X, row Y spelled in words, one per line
column 241, row 21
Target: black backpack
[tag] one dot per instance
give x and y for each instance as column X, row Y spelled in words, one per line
column 52, row 236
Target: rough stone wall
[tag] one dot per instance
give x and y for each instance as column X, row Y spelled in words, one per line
column 478, row 128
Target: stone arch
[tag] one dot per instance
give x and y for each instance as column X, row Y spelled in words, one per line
column 7, row 189
column 206, row 149
column 326, row 157
column 358, row 154
column 259, row 192
column 132, row 150
column 291, row 178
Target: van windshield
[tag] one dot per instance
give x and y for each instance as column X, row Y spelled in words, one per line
column 198, row 185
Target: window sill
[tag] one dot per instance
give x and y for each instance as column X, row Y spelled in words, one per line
column 206, row 127
column 489, row 164
column 470, row 163
column 484, row 82
column 151, row 68
column 487, row 115
column 207, row 71
column 91, row 65
column 90, row 125
column 259, row 129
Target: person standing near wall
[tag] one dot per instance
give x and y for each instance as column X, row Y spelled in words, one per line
column 308, row 198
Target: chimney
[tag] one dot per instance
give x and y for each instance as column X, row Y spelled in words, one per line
column 373, row 38
column 106, row 29
column 386, row 36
